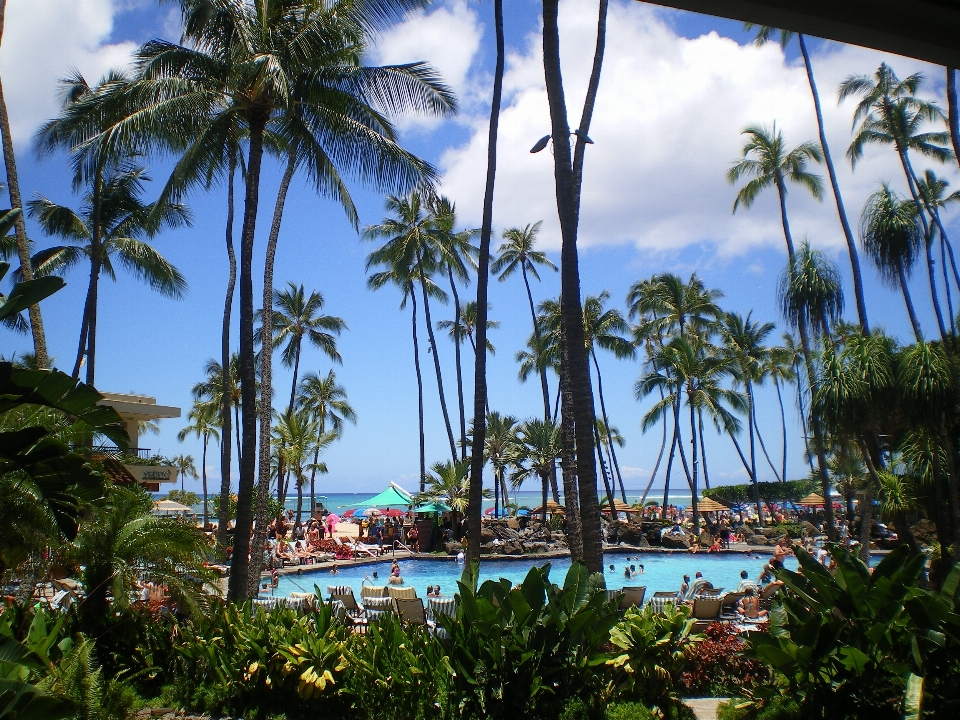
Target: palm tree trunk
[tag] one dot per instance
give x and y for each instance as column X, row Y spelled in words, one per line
column 237, row 588
column 703, row 450
column 266, row 381
column 567, row 194
column 568, row 468
column 545, row 482
column 435, row 352
column 226, row 388
column 802, row 410
column 694, row 501
column 952, row 114
column 299, row 499
column 783, row 424
column 934, row 295
column 96, row 262
column 832, row 173
column 763, row 445
column 946, row 284
column 456, row 345
column 203, row 474
column 606, row 423
column 676, row 429
column 416, row 366
column 753, row 478
column 296, row 371
column 544, row 386
column 902, row 275
column 20, row 228
column 236, row 422
column 496, row 497
column 787, row 235
column 666, row 480
column 663, row 446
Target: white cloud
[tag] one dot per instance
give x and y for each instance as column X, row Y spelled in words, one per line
column 44, row 40
column 447, row 37
column 667, row 126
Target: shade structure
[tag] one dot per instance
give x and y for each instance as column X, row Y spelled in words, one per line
column 434, row 507
column 812, row 500
column 394, row 513
column 619, row 506
column 710, row 505
column 169, row 506
column 348, row 513
column 553, row 508
column 394, row 495
column 371, row 512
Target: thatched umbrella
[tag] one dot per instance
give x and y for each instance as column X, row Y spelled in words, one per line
column 619, row 506
column 812, row 500
column 710, row 505
column 553, row 508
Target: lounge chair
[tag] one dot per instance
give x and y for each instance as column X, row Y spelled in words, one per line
column 411, row 612
column 710, row 592
column 632, row 597
column 728, row 606
column 661, row 599
column 403, row 593
column 373, row 591
column 442, row 606
column 371, row 550
column 697, row 587
column 706, row 611
column 354, row 615
column 768, row 593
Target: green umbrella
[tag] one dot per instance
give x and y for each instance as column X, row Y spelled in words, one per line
column 433, row 507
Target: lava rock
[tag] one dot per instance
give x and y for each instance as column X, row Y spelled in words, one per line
column 757, row 540
column 453, row 548
column 674, row 540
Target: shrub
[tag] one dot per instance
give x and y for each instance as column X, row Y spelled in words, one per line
column 629, row 711
column 778, row 708
column 718, row 667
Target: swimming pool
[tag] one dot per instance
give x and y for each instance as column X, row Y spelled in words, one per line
column 662, row 571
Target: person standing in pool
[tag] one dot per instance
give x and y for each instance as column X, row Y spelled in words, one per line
column 685, row 586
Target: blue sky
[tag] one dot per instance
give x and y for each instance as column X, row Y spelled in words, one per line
column 675, row 92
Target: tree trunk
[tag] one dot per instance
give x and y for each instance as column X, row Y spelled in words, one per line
column 568, row 469
column 203, row 474
column 914, row 322
column 266, row 382
column 544, row 385
column 787, row 235
column 606, row 423
column 435, row 352
column 20, row 228
column 694, row 501
column 952, row 114
column 763, row 445
column 666, row 479
column 237, row 588
column 832, row 173
column 663, row 446
column 296, row 371
column 416, row 366
column 96, row 262
column 934, row 296
column 703, row 450
column 946, row 285
column 578, row 370
column 299, row 499
column 226, row 386
column 456, row 347
column 611, row 493
column 783, row 423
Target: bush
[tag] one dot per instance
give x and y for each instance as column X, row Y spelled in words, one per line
column 629, row 711
column 778, row 708
column 717, row 666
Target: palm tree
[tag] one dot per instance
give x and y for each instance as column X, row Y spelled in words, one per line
column 185, row 468
column 20, row 229
column 448, row 484
column 467, row 327
column 480, row 403
column 499, row 445
column 764, row 33
column 122, row 541
column 537, row 448
column 291, row 68
column 295, row 317
column 409, row 246
column 204, row 422
column 891, row 234
column 297, row 436
column 400, row 275
column 811, row 300
column 109, row 230
column 933, row 192
column 517, row 252
column 781, row 368
column 326, row 401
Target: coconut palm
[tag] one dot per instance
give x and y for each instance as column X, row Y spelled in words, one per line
column 447, row 483
column 297, row 437
column 933, row 192
column 891, row 234
column 480, row 402
column 500, row 438
column 467, row 327
column 110, row 230
column 185, row 468
column 204, row 421
column 780, row 367
column 518, row 253
column 326, row 401
column 764, row 34
column 408, row 245
column 538, row 447
column 290, row 67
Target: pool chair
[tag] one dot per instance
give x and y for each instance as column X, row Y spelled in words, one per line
column 768, row 593
column 661, row 599
column 632, row 597
column 403, row 593
column 706, row 611
column 352, row 614
column 697, row 587
column 371, row 550
column 728, row 606
column 373, row 591
column 709, row 592
column 411, row 612
column 339, row 590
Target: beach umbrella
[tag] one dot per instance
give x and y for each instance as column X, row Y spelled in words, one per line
column 394, row 513
column 434, row 507
column 710, row 505
column 348, row 513
column 812, row 500
column 371, row 512
column 552, row 507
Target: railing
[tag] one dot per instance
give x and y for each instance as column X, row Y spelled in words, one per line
column 112, row 451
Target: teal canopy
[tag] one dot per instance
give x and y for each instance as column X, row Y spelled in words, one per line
column 391, row 497
column 434, row 507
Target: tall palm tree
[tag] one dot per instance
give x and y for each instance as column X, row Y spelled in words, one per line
column 185, row 468
column 480, row 403
column 400, row 275
column 204, row 421
column 408, row 245
column 499, row 445
column 297, row 437
column 568, row 175
column 326, row 401
column 764, row 34
column 518, row 253
column 448, row 484
column 537, row 449
column 933, row 192
column 290, row 67
column 811, row 300
column 108, row 230
column 891, row 234
column 467, row 327
column 20, row 229
column 780, row 367
column 455, row 253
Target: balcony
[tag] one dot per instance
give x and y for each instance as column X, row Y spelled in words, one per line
column 111, row 451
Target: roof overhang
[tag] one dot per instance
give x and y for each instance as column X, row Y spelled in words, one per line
column 923, row 29
column 138, row 407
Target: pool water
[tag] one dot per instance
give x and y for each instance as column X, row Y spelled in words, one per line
column 661, row 572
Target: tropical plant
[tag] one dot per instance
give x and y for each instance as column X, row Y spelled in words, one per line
column 448, row 484
column 205, row 420
column 326, row 401
column 536, row 450
column 186, row 468
column 499, row 445
column 26, row 662
column 297, row 437
column 467, row 327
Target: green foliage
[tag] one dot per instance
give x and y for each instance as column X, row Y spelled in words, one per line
column 792, row 490
column 25, row 665
column 650, row 655
column 779, row 707
column 527, row 650
column 629, row 711
column 184, row 497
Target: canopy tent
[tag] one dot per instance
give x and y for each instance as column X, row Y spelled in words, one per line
column 394, row 495
column 710, row 505
column 812, row 500
column 553, row 508
column 434, row 507
column 169, row 506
